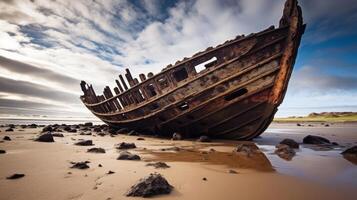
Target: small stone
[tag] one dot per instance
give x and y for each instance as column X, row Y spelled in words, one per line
column 32, row 126
column 312, row 139
column 69, row 172
column 285, row 152
column 110, row 172
column 125, row 155
column 100, row 165
column 231, row 171
column 7, row 138
column 152, row 185
column 97, row 129
column 15, row 176
column 140, row 138
column 176, row 136
column 84, row 143
column 158, row 165
column 291, row 143
column 327, row 125
column 96, row 150
column 80, row 165
column 124, row 145
column 2, row 151
column 204, row 138
column 9, row 130
column 204, row 178
column 298, row 124
column 47, row 137
column 47, row 129
column 88, row 124
column 11, row 125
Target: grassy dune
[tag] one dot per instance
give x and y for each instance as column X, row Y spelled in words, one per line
column 322, row 117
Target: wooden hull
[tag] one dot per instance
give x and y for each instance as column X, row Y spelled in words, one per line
column 235, row 97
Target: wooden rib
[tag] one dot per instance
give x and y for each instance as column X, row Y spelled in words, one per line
column 123, row 82
column 142, row 77
column 129, row 78
column 119, row 86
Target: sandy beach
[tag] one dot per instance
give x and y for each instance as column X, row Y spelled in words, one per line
column 313, row 173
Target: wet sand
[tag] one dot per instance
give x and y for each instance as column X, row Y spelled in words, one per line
column 312, row 174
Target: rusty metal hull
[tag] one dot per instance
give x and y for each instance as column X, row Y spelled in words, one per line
column 234, row 97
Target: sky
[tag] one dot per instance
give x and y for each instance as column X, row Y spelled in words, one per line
column 48, row 46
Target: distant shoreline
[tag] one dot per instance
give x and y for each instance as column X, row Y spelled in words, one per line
column 328, row 117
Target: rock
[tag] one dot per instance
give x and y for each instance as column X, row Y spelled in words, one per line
column 176, row 136
column 80, row 165
column 231, row 171
column 298, row 124
column 9, row 130
column 97, row 129
column 246, row 149
column 2, row 151
column 85, row 133
column 158, row 165
column 7, row 138
column 88, row 124
column 57, row 135
column 67, row 128
column 11, row 125
column 124, row 145
column 204, row 179
column 84, row 143
column 204, row 138
column 112, row 131
column 154, row 184
column 140, row 138
column 291, row 143
column 327, row 125
column 110, row 172
column 72, row 130
column 285, row 152
column 125, row 155
column 32, row 126
column 47, row 137
column 313, row 139
column 122, row 131
column 171, row 149
column 47, row 129
column 96, row 150
column 23, row 126
column 100, row 165
column 15, row 176
column 350, row 151
column 101, row 134
column 133, row 133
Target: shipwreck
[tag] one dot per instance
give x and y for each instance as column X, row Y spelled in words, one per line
column 234, row 96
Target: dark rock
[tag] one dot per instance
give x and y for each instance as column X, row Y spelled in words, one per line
column 285, row 152
column 96, row 150
column 85, row 133
column 122, row 131
column 32, row 126
column 2, row 151
column 88, row 124
column 231, row 171
column 124, row 145
column 313, row 139
column 334, row 143
column 125, row 155
column 11, row 125
column 84, row 143
column 15, row 176
column 47, row 137
column 133, row 133
column 176, row 136
column 246, row 149
column 80, row 165
column 9, row 130
column 23, row 126
column 350, row 151
column 204, row 138
column 57, row 135
column 101, row 134
column 110, row 172
column 67, row 128
column 100, row 165
column 158, row 165
column 291, row 143
column 72, row 130
column 112, row 131
column 97, row 129
column 7, row 138
column 47, row 129
column 140, row 138
column 327, row 125
column 204, row 179
column 154, row 184
column 298, row 124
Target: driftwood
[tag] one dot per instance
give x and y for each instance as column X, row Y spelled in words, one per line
column 229, row 91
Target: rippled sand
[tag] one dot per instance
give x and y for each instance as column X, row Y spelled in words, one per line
column 312, row 174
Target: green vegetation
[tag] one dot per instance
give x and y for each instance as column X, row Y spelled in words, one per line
column 322, row 117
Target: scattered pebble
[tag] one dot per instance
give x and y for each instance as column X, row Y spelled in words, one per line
column 84, row 143
column 158, row 165
column 96, row 150
column 15, row 176
column 124, row 145
column 291, row 143
column 9, row 130
column 110, row 172
column 204, row 178
column 100, row 165
column 47, row 129
column 2, row 151
column 7, row 138
column 140, row 138
column 231, row 171
column 154, row 184
column 47, row 137
column 80, row 165
column 125, row 155
column 285, row 152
